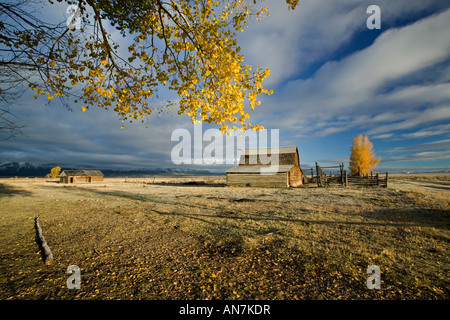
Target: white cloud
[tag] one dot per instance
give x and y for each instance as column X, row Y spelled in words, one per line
column 288, row 42
column 434, row 145
column 421, row 156
column 428, row 132
column 433, row 114
column 356, row 87
column 383, row 136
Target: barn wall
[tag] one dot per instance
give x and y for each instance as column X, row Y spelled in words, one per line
column 97, row 179
column 295, row 177
column 81, row 179
column 257, row 180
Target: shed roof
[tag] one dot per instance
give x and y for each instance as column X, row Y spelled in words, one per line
column 280, row 150
column 81, row 173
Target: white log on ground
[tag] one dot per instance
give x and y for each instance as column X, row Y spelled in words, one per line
column 46, row 252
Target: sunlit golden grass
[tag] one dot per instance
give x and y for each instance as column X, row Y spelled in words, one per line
column 163, row 239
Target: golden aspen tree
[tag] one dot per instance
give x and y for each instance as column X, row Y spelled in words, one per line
column 54, row 173
column 362, row 157
column 187, row 46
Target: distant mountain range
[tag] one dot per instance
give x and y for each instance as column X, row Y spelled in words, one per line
column 25, row 169
column 15, row 169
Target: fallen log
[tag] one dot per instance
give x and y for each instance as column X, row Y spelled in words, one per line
column 47, row 255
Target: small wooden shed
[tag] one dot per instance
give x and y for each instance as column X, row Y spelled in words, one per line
column 80, row 176
column 253, row 170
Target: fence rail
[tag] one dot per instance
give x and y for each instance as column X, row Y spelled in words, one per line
column 340, row 177
column 368, row 181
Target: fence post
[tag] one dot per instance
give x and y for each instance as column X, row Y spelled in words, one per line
column 387, row 179
column 318, row 175
column 345, row 178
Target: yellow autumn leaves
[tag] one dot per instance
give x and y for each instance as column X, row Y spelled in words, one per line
column 188, row 46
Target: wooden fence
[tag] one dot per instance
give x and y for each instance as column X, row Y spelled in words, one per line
column 326, row 176
column 371, row 180
column 335, row 176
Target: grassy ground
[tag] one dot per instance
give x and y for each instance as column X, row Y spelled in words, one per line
column 163, row 238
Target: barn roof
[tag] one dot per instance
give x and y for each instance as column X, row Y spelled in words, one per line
column 286, row 160
column 80, row 173
column 280, row 150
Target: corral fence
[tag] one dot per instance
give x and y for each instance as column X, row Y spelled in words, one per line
column 326, row 176
column 372, row 180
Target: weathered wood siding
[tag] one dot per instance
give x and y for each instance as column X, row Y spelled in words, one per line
column 81, row 179
column 258, row 180
column 97, row 179
column 295, row 177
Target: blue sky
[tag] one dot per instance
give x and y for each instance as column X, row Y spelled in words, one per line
column 332, row 79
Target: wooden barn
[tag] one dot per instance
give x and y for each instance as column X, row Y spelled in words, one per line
column 252, row 172
column 80, row 176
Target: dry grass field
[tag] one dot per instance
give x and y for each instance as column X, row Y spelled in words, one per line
column 195, row 238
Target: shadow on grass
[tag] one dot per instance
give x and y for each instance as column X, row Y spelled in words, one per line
column 433, row 218
column 126, row 195
column 135, row 196
column 10, row 191
column 53, row 181
column 382, row 217
column 187, row 184
column 446, row 188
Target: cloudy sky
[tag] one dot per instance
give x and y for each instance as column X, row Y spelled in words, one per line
column 333, row 78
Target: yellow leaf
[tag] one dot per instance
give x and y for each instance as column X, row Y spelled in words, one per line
column 83, row 109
